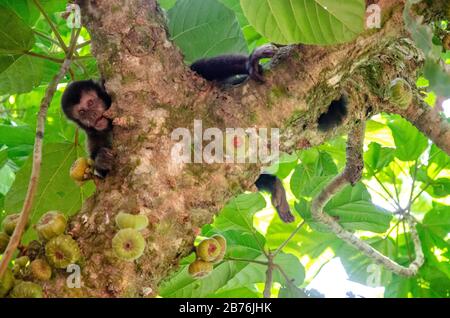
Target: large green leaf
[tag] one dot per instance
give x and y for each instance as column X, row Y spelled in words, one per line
column 409, row 141
column 235, row 5
column 377, row 157
column 418, row 287
column 56, row 190
column 362, row 269
column 292, row 292
column 284, row 166
column 239, row 245
column 438, row 220
column 241, row 292
column 306, row 21
column 438, row 160
column 238, row 213
column 20, row 74
column 204, row 29
column 353, row 209
column 315, row 171
column 167, row 4
column 436, row 250
column 438, row 77
column 16, row 135
column 6, row 179
column 438, row 188
column 3, row 156
column 27, row 10
column 15, row 35
column 181, row 285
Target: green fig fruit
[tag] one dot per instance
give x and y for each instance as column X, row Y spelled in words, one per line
column 400, row 93
column 26, row 290
column 61, row 251
column 6, row 283
column 131, row 221
column 51, row 224
column 40, row 270
column 128, row 244
column 200, row 269
column 208, row 250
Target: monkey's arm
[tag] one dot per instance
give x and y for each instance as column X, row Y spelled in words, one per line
column 225, row 67
column 99, row 146
column 273, row 185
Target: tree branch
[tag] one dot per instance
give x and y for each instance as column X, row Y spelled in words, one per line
column 432, row 124
column 269, row 278
column 351, row 174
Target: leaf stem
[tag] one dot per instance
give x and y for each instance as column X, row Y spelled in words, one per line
column 52, row 26
column 278, row 250
column 45, row 57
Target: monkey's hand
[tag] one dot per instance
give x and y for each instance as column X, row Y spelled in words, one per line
column 103, row 162
column 254, row 68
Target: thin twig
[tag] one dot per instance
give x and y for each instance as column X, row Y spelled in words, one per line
column 45, row 57
column 246, row 260
column 52, row 26
column 278, row 250
column 81, row 45
column 394, row 182
column 286, row 277
column 412, row 186
column 406, row 240
column 394, row 207
column 45, row 36
column 269, row 278
column 84, row 57
column 429, row 182
column 387, row 192
column 391, row 229
column 37, row 159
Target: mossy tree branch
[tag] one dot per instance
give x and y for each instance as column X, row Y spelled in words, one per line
column 351, row 175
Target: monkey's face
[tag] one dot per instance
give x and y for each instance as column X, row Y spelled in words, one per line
column 89, row 111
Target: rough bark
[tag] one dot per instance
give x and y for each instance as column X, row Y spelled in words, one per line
column 154, row 92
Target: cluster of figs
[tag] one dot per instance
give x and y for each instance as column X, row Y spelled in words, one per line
column 37, row 261
column 56, row 250
column 209, row 251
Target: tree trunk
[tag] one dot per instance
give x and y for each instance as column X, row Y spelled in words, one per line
column 154, row 93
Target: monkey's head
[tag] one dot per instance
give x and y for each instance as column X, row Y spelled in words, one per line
column 85, row 102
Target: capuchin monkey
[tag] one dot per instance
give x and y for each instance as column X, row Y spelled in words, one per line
column 85, row 103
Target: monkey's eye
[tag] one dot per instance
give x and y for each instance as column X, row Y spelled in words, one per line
column 82, row 112
column 90, row 103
